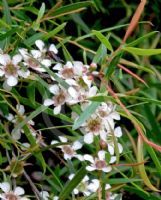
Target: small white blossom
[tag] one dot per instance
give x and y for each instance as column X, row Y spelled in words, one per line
column 60, row 98
column 86, row 186
column 69, row 150
column 99, row 163
column 10, row 68
column 9, row 194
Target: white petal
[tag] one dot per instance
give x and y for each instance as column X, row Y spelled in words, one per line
column 36, row 53
column 48, row 102
column 44, row 195
column 107, row 169
column 107, row 186
column 5, row 186
column 5, row 59
column 85, row 179
column 19, row 191
column 71, row 176
column 53, row 48
column 23, row 73
column 54, row 142
column 69, row 64
column 71, row 82
column 24, row 198
column 16, row 59
column 24, row 53
column 57, row 110
column 77, row 145
column 118, row 132
column 58, row 66
column 63, row 139
column 115, row 115
column 78, row 68
column 92, row 91
column 101, row 155
column 90, row 168
column 12, row 81
column 120, row 148
column 113, row 159
column 94, row 185
column 89, row 158
column 16, row 135
column 54, row 89
column 79, row 157
column 76, row 191
column 111, row 149
column 73, row 92
column 67, row 156
column 88, row 138
column 46, row 62
column 40, row 44
column 55, row 198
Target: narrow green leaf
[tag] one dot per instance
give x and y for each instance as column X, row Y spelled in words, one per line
column 141, row 39
column 142, row 52
column 55, row 31
column 103, row 39
column 41, row 11
column 7, row 14
column 85, row 115
column 31, row 40
column 100, row 54
column 72, row 8
column 114, row 181
column 112, row 65
column 67, row 190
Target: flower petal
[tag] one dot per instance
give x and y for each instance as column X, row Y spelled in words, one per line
column 46, row 62
column 5, row 59
column 88, row 138
column 58, row 66
column 73, row 92
column 53, row 48
column 107, row 169
column 5, row 186
column 89, row 158
column 90, row 168
column 40, row 44
column 19, row 191
column 12, row 81
column 16, row 59
column 48, row 102
column 118, row 131
column 77, row 145
column 63, row 139
column 101, row 155
column 36, row 53
column 57, row 110
column 54, row 89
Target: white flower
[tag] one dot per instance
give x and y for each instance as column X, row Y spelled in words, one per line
column 92, row 127
column 99, row 163
column 8, row 194
column 60, row 98
column 45, row 196
column 106, row 111
column 108, row 140
column 86, row 186
column 69, row 150
column 11, row 70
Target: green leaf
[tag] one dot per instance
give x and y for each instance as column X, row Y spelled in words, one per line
column 112, row 65
column 114, row 181
column 85, row 115
column 41, row 12
column 102, row 98
column 142, row 52
column 141, row 39
column 55, row 31
column 64, row 10
column 100, row 54
column 31, row 40
column 103, row 39
column 7, row 14
column 70, row 186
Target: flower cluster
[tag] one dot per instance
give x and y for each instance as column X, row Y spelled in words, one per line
column 72, row 85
